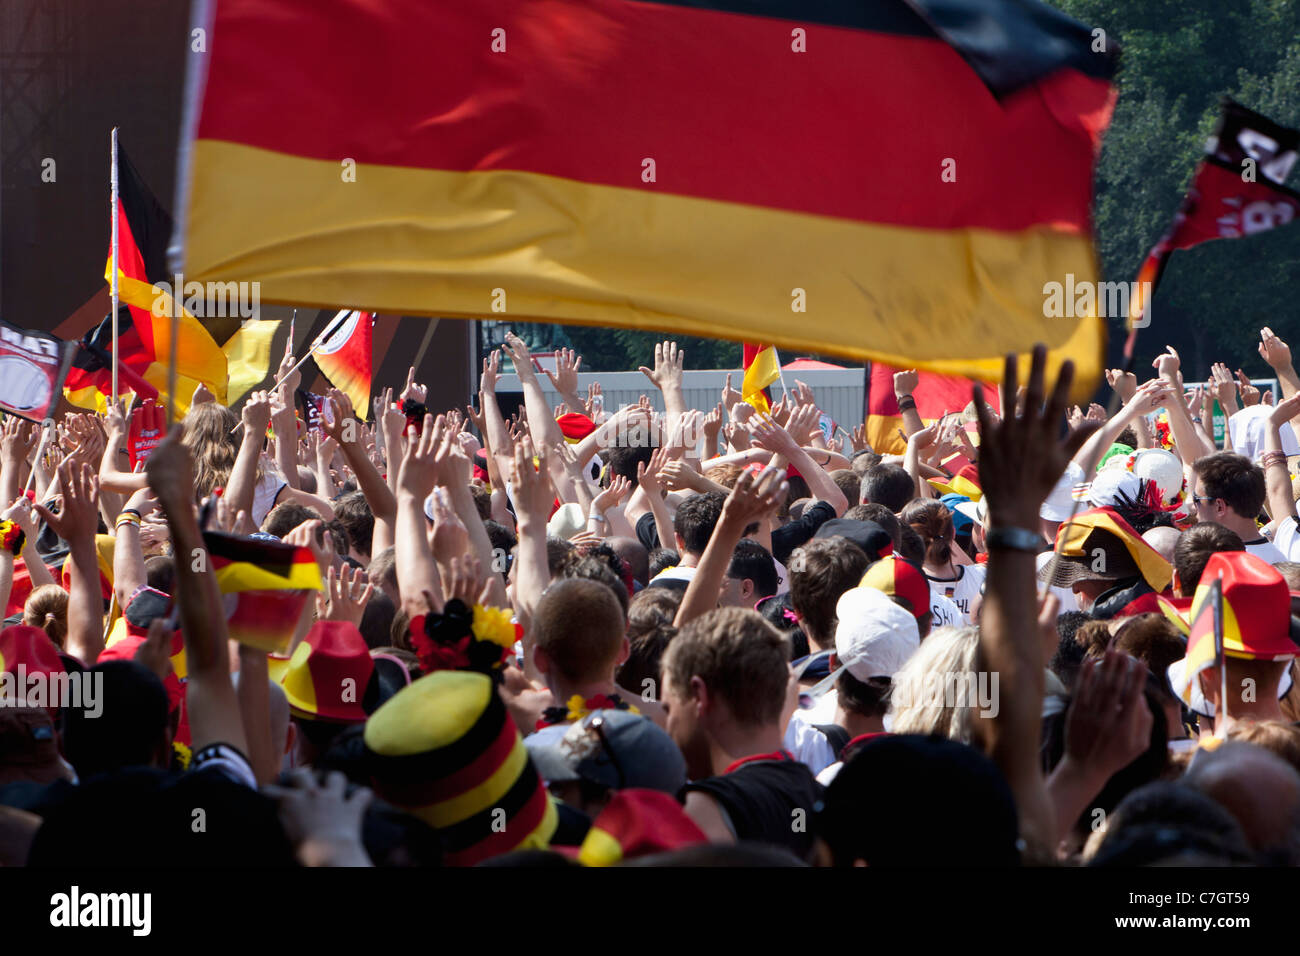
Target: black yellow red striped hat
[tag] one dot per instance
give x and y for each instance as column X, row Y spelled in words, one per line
column 446, row 750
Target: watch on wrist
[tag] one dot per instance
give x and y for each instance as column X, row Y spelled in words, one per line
column 1014, row 539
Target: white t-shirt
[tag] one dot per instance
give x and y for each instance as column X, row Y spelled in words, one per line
column 961, row 590
column 264, row 495
column 1287, row 539
column 808, row 744
column 827, row 775
column 943, row 612
column 1269, row 552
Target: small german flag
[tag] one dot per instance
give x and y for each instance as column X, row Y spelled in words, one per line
column 762, row 368
column 264, row 586
column 1205, row 639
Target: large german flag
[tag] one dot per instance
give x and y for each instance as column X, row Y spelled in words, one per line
column 910, row 172
column 935, row 395
column 144, row 325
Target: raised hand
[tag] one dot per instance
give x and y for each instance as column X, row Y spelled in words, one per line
column 905, row 382
column 1109, row 723
column 611, row 497
column 755, row 496
column 336, row 416
column 347, row 591
column 1249, row 393
column 413, row 391
column 487, row 382
column 1273, row 350
column 730, row 397
column 79, row 518
column 1222, row 385
column 1167, row 363
column 256, row 414
column 1021, row 457
column 1124, row 383
column 466, row 581
column 565, row 376
column 859, row 438
column 419, row 469
column 669, row 362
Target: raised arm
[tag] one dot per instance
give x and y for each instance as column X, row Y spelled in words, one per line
column 785, row 442
column 346, row 431
column 1020, row 462
column 416, row 570
column 533, row 496
column 76, row 524
column 752, row 499
column 212, row 705
column 243, row 476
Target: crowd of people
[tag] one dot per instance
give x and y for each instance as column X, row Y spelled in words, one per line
column 661, row 637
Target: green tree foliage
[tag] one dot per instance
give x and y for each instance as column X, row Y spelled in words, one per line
column 1180, row 57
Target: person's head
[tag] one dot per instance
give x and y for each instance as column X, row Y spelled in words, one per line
column 881, row 516
column 861, row 463
column 283, row 518
column 597, row 567
column 661, row 558
column 160, row 573
column 942, row 688
column 725, row 671
column 904, row 800
column 132, row 728
column 911, row 546
column 1275, row 736
column 820, row 572
column 634, row 554
column 888, row 485
column 579, row 633
column 649, row 630
column 1164, row 539
column 558, row 555
column 382, row 573
column 1164, row 823
column 47, row 608
column 209, row 429
column 377, row 620
column 1227, row 486
column 1070, row 653
column 353, row 512
column 1260, row 789
column 933, row 522
column 751, row 575
column 482, row 501
column 623, row 460
column 849, row 483
column 1194, row 547
column 695, row 520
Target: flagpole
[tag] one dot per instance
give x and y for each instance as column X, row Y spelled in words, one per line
column 112, row 175
column 785, row 392
column 320, row 340
column 178, row 286
column 1222, row 732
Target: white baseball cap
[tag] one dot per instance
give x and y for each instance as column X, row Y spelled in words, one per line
column 874, row 636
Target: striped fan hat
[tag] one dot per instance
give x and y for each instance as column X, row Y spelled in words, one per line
column 446, row 750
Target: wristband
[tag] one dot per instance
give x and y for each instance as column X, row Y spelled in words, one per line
column 906, row 403
column 1270, row 458
column 129, row 511
column 1014, row 539
column 597, row 516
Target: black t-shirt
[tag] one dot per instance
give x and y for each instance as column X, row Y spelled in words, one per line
column 790, row 536
column 647, row 532
column 761, row 797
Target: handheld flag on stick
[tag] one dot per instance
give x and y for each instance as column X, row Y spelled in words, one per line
column 520, row 164
column 1238, row 191
column 1205, row 639
column 345, row 358
column 264, row 585
column 136, row 346
column 762, row 368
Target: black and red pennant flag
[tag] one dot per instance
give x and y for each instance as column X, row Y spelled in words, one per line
column 893, row 180
column 1237, row 191
column 32, row 367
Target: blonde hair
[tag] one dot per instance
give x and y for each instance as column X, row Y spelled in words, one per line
column 47, row 608
column 936, row 691
column 208, row 437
